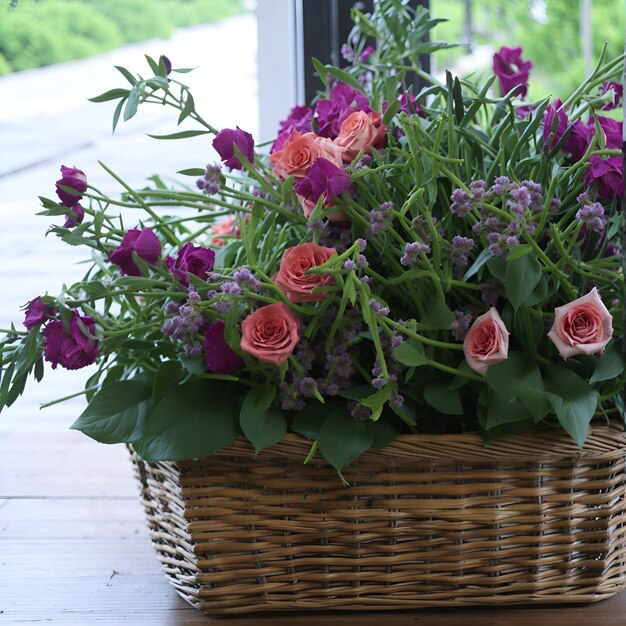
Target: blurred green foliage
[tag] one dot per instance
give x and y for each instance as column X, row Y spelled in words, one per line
column 35, row 33
column 548, row 31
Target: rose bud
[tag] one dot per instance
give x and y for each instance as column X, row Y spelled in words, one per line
column 271, row 333
column 584, row 326
column 486, row 342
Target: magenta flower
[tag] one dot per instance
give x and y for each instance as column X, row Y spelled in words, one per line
column 72, row 347
column 220, row 358
column 511, row 70
column 607, row 173
column 612, row 130
column 74, row 216
column 299, row 119
column 38, row 312
column 578, row 140
column 144, row 243
column 551, row 111
column 224, row 142
column 324, row 177
column 76, row 180
column 191, row 259
column 366, row 54
column 343, row 100
column 618, row 91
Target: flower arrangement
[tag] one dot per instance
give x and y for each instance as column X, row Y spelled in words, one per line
column 430, row 262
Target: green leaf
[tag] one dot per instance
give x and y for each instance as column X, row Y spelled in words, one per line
column 195, row 365
column 132, row 102
column 573, row 401
column 481, row 259
column 184, row 134
column 308, row 422
column 117, row 413
column 519, row 377
column 438, row 316
column 519, row 251
column 522, row 276
column 410, row 352
column 384, row 432
column 167, row 377
column 192, row 420
column 442, row 398
column 610, row 365
column 344, row 77
column 112, row 94
column 342, row 439
column 126, row 74
column 377, row 400
column 320, row 68
column 192, row 171
column 260, row 423
column 502, row 410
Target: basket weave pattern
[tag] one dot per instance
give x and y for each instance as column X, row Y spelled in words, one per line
column 428, row 521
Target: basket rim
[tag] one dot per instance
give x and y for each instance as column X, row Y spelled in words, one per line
column 603, row 441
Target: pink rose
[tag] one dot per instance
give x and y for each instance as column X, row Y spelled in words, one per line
column 299, row 153
column 361, row 131
column 487, row 342
column 271, row 333
column 292, row 276
column 308, row 206
column 583, row 326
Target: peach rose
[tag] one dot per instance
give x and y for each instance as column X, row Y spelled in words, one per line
column 487, row 342
column 300, row 151
column 292, row 277
column 228, row 227
column 271, row 333
column 583, row 326
column 361, row 131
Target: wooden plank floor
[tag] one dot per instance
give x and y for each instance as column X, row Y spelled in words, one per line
column 74, row 548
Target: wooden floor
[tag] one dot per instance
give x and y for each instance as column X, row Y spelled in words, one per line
column 74, row 549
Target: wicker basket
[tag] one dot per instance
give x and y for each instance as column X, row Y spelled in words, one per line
column 428, row 521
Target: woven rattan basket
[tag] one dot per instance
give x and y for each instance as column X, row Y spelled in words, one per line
column 428, row 521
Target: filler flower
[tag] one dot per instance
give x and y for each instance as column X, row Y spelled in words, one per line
column 76, row 180
column 74, row 347
column 584, row 326
column 144, row 243
column 487, row 342
column 511, row 70
column 271, row 333
column 226, row 139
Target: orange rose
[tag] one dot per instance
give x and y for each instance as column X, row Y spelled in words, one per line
column 361, row 131
column 299, row 153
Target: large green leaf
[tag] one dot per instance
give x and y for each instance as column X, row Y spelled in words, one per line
column 519, row 377
column 610, row 365
column 438, row 316
column 410, row 352
column 502, row 410
column 439, row 395
column 192, row 420
column 117, row 413
column 261, row 423
column 343, row 438
column 521, row 278
column 573, row 401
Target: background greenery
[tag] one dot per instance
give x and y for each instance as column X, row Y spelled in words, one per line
column 552, row 43
column 42, row 32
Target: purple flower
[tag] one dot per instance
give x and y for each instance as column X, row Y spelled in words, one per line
column 347, row 52
column 211, row 183
column 342, row 101
column 167, row 64
column 461, row 202
column 592, row 215
column 299, row 119
column 224, row 142
column 366, row 54
column 411, row 253
column 74, row 347
column 511, row 70
column 461, row 247
column 578, row 140
column 324, row 177
column 378, row 308
column 607, row 173
column 191, row 259
column 76, row 180
column 612, row 130
column 38, row 312
column 144, row 243
column 460, row 324
column 218, row 355
column 74, row 216
column 618, row 94
column 246, row 279
column 549, row 127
